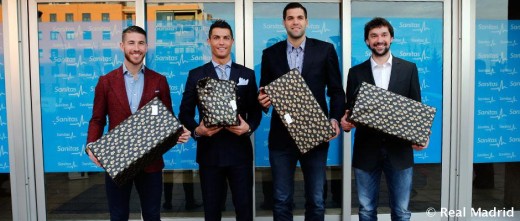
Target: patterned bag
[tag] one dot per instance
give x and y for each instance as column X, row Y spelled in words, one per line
column 393, row 114
column 218, row 102
column 138, row 141
column 300, row 112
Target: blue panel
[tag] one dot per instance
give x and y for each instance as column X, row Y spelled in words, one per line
column 69, row 71
column 497, row 83
column 4, row 144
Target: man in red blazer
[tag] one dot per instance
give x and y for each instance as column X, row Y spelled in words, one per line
column 118, row 95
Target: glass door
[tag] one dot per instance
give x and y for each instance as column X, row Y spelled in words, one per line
column 78, row 42
column 496, row 159
column 418, row 38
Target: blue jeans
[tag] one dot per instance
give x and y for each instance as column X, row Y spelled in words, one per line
column 149, row 188
column 313, row 165
column 399, row 183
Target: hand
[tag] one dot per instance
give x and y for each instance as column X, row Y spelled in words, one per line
column 419, row 147
column 202, row 130
column 347, row 126
column 93, row 158
column 335, row 125
column 264, row 99
column 242, row 128
column 185, row 136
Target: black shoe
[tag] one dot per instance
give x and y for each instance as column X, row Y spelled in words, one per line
column 167, row 206
column 192, row 206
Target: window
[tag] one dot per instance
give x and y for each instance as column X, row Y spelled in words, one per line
column 85, row 17
column 52, row 17
column 88, row 52
column 69, row 35
column 87, row 35
column 40, row 35
column 54, row 35
column 69, row 17
column 106, row 35
column 71, row 53
column 105, row 17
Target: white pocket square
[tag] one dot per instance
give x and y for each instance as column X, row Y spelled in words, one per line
column 242, row 81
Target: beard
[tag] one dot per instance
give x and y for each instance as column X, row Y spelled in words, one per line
column 383, row 53
column 296, row 35
column 130, row 59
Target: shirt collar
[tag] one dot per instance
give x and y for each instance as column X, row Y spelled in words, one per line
column 388, row 62
column 215, row 64
column 290, row 46
column 125, row 70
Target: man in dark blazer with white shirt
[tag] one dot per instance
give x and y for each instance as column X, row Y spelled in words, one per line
column 318, row 64
column 224, row 154
column 375, row 152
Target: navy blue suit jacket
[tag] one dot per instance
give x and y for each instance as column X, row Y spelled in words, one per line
column 321, row 73
column 404, row 80
column 223, row 148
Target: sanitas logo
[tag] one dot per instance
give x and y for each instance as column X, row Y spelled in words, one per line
column 61, row 59
column 100, row 59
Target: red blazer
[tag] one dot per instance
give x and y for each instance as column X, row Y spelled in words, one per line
column 110, row 100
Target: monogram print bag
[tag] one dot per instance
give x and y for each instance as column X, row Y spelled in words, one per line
column 393, row 114
column 218, row 102
column 137, row 141
column 300, row 112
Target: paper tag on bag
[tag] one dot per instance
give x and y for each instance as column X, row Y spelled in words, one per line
column 288, row 118
column 155, row 110
column 233, row 104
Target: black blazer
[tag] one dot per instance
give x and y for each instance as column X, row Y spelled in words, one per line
column 404, row 80
column 223, row 148
column 321, row 73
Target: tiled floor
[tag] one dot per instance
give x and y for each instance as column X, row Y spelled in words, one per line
column 67, row 194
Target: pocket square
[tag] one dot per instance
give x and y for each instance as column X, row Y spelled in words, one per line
column 242, row 81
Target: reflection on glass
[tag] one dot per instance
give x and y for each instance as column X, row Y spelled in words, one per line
column 324, row 24
column 79, row 42
column 177, row 34
column 5, row 187
column 418, row 37
column 497, row 58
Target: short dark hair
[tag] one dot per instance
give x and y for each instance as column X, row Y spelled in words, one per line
column 378, row 22
column 220, row 24
column 133, row 29
column 294, row 5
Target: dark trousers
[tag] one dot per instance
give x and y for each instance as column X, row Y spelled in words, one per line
column 149, row 188
column 213, row 182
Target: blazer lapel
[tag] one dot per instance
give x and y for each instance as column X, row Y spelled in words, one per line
column 307, row 60
column 235, row 73
column 209, row 71
column 395, row 74
column 282, row 53
column 369, row 76
column 119, row 88
column 148, row 89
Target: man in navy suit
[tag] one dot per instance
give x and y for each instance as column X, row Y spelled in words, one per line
column 375, row 152
column 118, row 95
column 318, row 64
column 224, row 154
